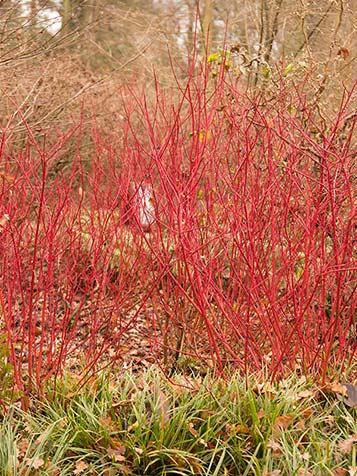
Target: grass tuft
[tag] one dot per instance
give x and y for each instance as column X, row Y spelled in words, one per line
column 147, row 425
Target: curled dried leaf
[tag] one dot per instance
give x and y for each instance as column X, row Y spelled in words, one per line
column 282, row 422
column 305, row 394
column 4, row 220
column 6, row 177
column 346, row 446
column 80, row 467
column 117, row 454
column 276, row 447
column 340, row 472
column 335, row 388
column 192, row 430
column 304, row 472
column 343, row 53
column 350, row 395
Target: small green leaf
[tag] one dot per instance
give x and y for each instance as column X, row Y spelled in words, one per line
column 287, row 69
column 204, row 135
column 227, row 65
column 212, row 58
column 266, row 71
column 292, row 110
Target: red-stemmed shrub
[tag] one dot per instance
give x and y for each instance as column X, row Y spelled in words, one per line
column 221, row 230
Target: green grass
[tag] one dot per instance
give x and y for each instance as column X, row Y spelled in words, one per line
column 146, row 425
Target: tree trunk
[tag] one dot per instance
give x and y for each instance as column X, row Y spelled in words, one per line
column 66, row 16
column 207, row 18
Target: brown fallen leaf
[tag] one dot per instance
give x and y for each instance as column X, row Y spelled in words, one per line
column 80, row 467
column 300, row 425
column 117, row 454
column 106, row 422
column 340, row 472
column 133, row 426
column 37, row 463
column 242, row 429
column 335, row 387
column 6, row 177
column 304, row 472
column 117, row 444
column 282, row 422
column 192, row 429
column 53, row 470
column 343, row 53
column 350, row 395
column 4, row 220
column 305, row 394
column 346, row 446
column 22, row 447
column 276, row 447
column 307, row 413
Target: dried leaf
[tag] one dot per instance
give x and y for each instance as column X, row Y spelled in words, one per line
column 282, row 422
column 276, row 447
column 80, row 467
column 300, row 425
column 6, row 177
column 350, row 395
column 242, row 429
column 117, row 454
column 307, row 413
column 340, row 472
column 117, row 444
column 352, row 470
column 163, row 406
column 34, row 462
column 261, row 414
column 22, row 448
column 106, row 422
column 37, row 463
column 53, row 470
column 133, row 426
column 192, row 429
column 305, row 394
column 343, row 52
column 265, row 389
column 4, row 220
column 335, row 387
column 346, row 446
column 304, row 472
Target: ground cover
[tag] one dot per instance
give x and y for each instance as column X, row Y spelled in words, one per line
column 144, row 424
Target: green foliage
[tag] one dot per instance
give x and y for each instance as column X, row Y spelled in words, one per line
column 147, row 425
column 223, row 57
column 6, row 374
column 287, row 69
column 213, row 58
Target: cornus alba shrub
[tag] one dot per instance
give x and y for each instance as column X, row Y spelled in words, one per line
column 220, row 229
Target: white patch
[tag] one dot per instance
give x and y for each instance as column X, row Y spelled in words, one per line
column 145, row 207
